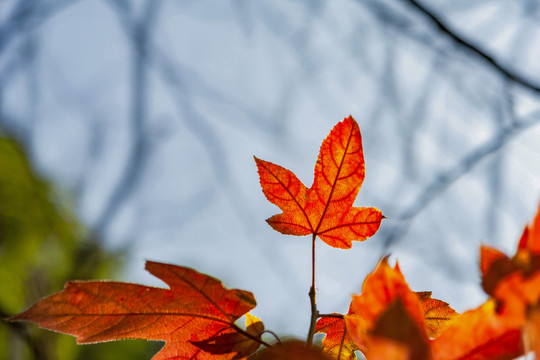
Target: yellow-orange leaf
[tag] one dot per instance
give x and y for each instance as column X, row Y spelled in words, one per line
column 532, row 332
column 437, row 313
column 517, row 295
column 195, row 308
column 324, row 210
column 337, row 344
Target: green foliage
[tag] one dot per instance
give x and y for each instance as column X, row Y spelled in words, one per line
column 41, row 247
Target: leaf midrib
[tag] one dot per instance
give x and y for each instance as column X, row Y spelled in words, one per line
column 316, row 232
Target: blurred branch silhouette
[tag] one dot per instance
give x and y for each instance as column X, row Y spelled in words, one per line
column 509, row 73
column 263, row 75
column 445, row 179
column 402, row 19
column 28, row 15
column 139, row 33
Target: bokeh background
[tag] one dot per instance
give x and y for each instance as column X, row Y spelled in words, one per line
column 128, row 130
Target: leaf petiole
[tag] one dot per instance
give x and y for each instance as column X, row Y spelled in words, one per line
column 312, row 296
column 251, row 336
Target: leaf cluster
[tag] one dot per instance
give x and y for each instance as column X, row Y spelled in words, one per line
column 198, row 318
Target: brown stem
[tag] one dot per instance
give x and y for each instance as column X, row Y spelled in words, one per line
column 251, row 336
column 273, row 334
column 312, row 297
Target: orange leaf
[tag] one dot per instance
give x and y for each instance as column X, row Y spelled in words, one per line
column 380, row 290
column 488, row 256
column 437, row 316
column 517, row 295
column 337, row 344
column 437, row 313
column 496, row 267
column 195, row 308
column 532, row 332
column 324, row 210
column 530, row 239
column 397, row 336
column 514, row 283
column 478, row 334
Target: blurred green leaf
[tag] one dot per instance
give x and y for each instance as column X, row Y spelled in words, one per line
column 42, row 245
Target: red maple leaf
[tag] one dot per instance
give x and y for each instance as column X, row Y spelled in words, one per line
column 196, row 308
column 324, row 210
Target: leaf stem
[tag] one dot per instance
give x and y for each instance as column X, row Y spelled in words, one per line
column 312, row 297
column 251, row 336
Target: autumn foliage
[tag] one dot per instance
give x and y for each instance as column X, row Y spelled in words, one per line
column 325, row 209
column 198, row 318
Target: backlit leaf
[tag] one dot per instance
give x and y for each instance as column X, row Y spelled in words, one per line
column 514, row 283
column 380, row 290
column 235, row 342
column 325, row 209
column 195, row 308
column 437, row 313
column 437, row 316
column 337, row 344
column 397, row 336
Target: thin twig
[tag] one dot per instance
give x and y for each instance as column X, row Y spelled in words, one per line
column 139, row 32
column 312, row 297
column 273, row 334
column 447, row 178
column 251, row 336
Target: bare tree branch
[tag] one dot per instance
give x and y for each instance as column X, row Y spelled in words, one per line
column 447, row 178
column 139, row 36
column 508, row 73
column 27, row 15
